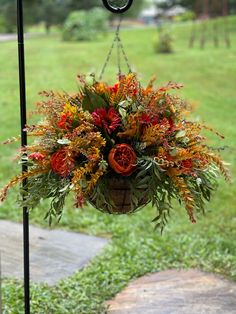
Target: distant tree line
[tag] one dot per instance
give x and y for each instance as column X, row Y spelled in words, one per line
column 55, row 12
column 51, row 12
column 193, row 4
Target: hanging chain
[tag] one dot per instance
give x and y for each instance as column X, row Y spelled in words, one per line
column 110, row 51
column 120, row 48
column 120, row 44
column 118, row 57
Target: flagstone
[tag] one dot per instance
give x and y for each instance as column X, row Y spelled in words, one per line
column 54, row 254
column 176, row 292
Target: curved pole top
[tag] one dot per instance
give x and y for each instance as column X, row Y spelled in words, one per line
column 115, row 9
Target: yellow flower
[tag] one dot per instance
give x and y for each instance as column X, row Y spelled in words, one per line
column 101, row 88
column 70, row 108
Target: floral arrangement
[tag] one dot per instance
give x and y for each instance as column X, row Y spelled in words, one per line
column 119, row 148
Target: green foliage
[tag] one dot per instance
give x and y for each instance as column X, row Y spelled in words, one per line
column 8, row 11
column 3, row 24
column 46, row 186
column 164, row 43
column 92, row 101
column 187, row 16
column 75, row 5
column 85, row 25
column 51, row 12
column 8, row 16
column 159, row 189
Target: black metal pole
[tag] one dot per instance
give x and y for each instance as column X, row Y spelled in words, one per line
column 21, row 59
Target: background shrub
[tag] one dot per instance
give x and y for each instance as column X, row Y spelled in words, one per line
column 187, row 16
column 164, row 43
column 85, row 25
column 5, row 25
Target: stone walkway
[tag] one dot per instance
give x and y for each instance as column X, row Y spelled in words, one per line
column 8, row 37
column 177, row 292
column 13, row 37
column 54, row 254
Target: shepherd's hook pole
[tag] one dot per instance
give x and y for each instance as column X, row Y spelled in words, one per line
column 21, row 60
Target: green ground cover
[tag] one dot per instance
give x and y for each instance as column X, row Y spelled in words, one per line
column 135, row 248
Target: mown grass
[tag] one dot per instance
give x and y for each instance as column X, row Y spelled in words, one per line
column 135, row 247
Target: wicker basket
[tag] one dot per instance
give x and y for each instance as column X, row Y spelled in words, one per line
column 119, row 192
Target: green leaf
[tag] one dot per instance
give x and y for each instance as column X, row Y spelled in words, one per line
column 173, row 152
column 134, row 107
column 64, row 141
column 141, row 186
column 141, row 173
column 156, row 218
column 180, row 134
column 134, row 200
column 143, row 180
column 123, row 113
column 186, row 140
column 67, row 187
column 161, row 101
column 124, row 104
column 199, row 181
column 157, row 173
column 92, row 101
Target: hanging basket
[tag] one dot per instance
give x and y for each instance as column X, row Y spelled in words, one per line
column 118, row 147
column 119, row 196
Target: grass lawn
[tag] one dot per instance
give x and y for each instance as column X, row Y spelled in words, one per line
column 135, row 248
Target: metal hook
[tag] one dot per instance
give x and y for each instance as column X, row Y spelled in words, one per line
column 117, row 10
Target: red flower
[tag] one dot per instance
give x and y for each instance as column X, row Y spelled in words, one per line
column 114, row 89
column 62, row 163
column 188, row 164
column 149, row 119
column 135, row 91
column 79, row 201
column 36, row 156
column 122, row 159
column 171, row 123
column 145, row 119
column 109, row 120
column 65, row 121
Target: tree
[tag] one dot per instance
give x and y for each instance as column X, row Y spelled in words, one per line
column 167, row 4
column 84, row 4
column 49, row 11
column 8, row 13
column 52, row 12
column 190, row 4
column 55, row 12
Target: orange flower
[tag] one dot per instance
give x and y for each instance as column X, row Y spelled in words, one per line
column 122, row 159
column 62, row 163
